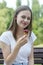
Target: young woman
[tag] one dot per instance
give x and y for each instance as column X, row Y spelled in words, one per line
column 17, row 47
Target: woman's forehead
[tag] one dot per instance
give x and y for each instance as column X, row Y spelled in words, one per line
column 25, row 12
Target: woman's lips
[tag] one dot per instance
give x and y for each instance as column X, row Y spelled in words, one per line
column 25, row 23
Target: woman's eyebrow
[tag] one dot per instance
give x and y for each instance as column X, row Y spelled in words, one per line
column 24, row 15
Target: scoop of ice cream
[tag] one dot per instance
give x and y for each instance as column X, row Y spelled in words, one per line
column 25, row 31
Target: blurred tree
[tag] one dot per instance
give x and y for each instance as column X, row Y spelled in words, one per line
column 35, row 9
column 3, row 4
column 10, row 14
column 6, row 15
column 18, row 3
column 41, row 24
column 28, row 2
column 41, row 11
column 37, row 21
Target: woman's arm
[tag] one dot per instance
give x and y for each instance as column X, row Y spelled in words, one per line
column 31, row 57
column 8, row 56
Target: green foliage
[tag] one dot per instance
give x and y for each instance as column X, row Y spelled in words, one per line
column 37, row 21
column 6, row 15
column 18, row 3
column 2, row 5
column 41, row 11
column 35, row 9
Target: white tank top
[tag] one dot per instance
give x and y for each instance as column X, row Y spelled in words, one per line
column 24, row 52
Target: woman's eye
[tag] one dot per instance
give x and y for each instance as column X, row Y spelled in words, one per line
column 23, row 17
column 28, row 18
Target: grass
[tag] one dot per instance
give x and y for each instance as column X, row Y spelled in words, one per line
column 40, row 45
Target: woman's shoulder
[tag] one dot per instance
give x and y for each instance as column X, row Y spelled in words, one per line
column 5, row 37
column 6, row 33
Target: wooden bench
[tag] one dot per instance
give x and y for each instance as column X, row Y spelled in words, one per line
column 38, row 56
column 1, row 57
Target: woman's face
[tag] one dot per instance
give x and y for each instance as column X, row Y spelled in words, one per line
column 23, row 18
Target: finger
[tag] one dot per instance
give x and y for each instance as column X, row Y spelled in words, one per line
column 23, row 37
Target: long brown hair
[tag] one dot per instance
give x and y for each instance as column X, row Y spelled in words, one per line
column 13, row 25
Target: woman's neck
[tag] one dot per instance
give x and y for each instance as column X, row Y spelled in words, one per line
column 20, row 32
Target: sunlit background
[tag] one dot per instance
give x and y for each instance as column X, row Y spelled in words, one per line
column 12, row 3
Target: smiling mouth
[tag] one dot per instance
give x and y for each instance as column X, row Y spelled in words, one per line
column 25, row 23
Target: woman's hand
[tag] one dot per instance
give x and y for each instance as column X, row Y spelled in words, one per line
column 22, row 41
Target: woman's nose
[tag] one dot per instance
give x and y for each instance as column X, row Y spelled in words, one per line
column 25, row 19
